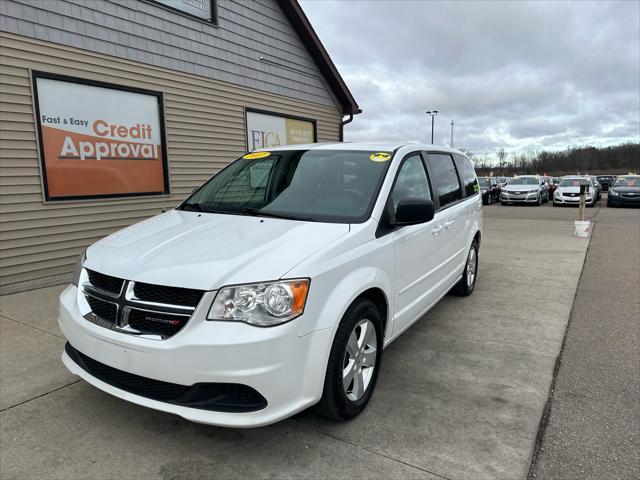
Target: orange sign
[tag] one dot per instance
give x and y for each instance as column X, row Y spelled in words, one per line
column 99, row 141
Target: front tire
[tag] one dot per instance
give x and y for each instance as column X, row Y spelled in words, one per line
column 354, row 362
column 467, row 283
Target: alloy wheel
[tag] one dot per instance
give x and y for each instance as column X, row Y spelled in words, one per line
column 472, row 263
column 359, row 359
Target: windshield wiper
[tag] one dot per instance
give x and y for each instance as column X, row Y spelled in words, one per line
column 260, row 213
column 194, row 206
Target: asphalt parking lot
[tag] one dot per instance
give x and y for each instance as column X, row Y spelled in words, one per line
column 460, row 395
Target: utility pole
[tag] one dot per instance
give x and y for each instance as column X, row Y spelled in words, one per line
column 432, row 114
column 451, row 143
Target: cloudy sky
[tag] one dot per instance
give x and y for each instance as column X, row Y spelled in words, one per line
column 511, row 74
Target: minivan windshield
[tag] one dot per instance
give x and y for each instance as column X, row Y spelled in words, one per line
column 484, row 181
column 524, row 181
column 336, row 186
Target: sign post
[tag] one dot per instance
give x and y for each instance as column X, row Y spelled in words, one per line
column 583, row 189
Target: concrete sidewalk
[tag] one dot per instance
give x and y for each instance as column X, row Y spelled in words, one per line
column 460, row 394
column 593, row 429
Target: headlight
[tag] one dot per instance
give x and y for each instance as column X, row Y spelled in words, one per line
column 533, row 191
column 557, row 193
column 261, row 304
column 613, row 193
column 78, row 268
column 483, row 191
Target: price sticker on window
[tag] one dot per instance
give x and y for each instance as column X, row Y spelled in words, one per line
column 256, row 155
column 380, row 157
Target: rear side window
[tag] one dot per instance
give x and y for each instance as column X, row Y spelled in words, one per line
column 445, row 178
column 467, row 175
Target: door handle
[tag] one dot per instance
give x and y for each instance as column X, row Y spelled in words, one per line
column 436, row 230
column 448, row 223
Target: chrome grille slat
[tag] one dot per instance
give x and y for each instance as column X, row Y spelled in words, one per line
column 132, row 299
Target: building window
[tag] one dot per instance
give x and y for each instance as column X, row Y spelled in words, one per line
column 99, row 140
column 201, row 9
column 270, row 129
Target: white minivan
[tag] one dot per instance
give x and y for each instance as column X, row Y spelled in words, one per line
column 276, row 285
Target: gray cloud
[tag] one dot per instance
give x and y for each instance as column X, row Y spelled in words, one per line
column 512, row 75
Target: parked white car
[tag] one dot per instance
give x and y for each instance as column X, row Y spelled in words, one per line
column 568, row 191
column 275, row 285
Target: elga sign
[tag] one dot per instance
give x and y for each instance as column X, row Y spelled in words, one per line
column 266, row 130
column 197, row 8
column 99, row 140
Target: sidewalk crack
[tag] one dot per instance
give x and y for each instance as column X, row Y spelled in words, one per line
column 31, row 326
column 368, row 450
column 39, row 396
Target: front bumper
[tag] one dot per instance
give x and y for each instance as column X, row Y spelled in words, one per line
column 517, row 198
column 620, row 200
column 286, row 369
column 562, row 200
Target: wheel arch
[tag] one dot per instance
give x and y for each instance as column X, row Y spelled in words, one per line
column 379, row 299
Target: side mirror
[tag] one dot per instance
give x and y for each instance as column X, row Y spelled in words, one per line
column 412, row 211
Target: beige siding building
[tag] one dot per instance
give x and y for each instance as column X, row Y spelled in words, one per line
column 212, row 76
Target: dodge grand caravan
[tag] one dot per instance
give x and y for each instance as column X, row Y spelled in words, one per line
column 276, row 285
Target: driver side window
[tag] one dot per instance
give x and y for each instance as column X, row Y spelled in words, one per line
column 411, row 181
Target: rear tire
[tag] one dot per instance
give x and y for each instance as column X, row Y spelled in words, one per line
column 344, row 397
column 467, row 283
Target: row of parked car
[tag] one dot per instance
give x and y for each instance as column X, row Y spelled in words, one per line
column 537, row 189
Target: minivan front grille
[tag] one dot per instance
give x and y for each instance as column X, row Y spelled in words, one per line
column 156, row 323
column 107, row 283
column 154, row 311
column 107, row 311
column 171, row 295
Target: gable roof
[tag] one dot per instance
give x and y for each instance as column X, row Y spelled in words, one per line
column 302, row 26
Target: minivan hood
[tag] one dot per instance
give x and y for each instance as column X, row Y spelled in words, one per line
column 206, row 251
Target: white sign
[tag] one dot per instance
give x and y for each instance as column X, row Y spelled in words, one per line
column 267, row 131
column 197, row 8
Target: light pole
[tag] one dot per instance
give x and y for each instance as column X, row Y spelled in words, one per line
column 432, row 114
column 451, row 143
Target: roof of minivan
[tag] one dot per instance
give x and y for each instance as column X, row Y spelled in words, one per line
column 383, row 147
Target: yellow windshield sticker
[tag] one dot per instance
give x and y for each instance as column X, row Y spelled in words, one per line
column 380, row 157
column 255, row 155
column 476, row 187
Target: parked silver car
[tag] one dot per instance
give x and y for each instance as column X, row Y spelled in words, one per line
column 525, row 189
